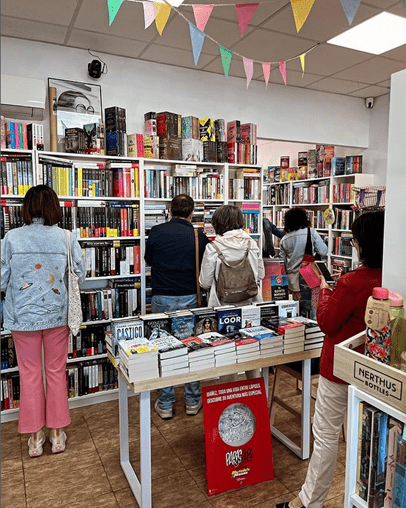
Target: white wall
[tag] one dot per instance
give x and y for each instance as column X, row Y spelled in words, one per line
column 283, row 113
column 394, row 267
column 375, row 158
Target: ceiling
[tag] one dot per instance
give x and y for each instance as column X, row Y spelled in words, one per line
column 270, row 36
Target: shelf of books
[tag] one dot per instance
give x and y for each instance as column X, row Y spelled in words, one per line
column 319, row 182
column 376, row 452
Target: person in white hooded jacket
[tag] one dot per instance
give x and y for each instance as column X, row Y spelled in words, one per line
column 233, row 242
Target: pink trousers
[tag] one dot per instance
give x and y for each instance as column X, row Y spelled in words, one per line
column 36, row 408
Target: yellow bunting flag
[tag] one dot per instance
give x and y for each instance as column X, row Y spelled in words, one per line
column 162, row 12
column 301, row 9
column 302, row 62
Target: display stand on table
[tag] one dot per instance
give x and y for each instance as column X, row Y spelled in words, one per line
column 141, row 485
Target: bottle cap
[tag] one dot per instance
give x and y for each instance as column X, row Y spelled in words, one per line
column 396, row 300
column 380, row 293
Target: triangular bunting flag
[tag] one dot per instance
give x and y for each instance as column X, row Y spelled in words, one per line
column 202, row 15
column 282, row 70
column 266, row 70
column 350, row 8
column 162, row 12
column 404, row 3
column 149, row 13
column 301, row 9
column 113, row 7
column 302, row 62
column 244, row 15
column 226, row 57
column 249, row 69
column 197, row 40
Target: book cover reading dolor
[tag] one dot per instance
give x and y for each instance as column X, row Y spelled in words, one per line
column 237, row 435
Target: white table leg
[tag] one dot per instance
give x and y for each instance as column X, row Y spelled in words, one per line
column 265, row 375
column 145, row 449
column 306, row 418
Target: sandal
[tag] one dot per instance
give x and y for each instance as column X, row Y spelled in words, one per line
column 57, row 438
column 35, row 443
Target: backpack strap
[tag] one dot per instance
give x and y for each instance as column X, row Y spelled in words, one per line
column 223, row 259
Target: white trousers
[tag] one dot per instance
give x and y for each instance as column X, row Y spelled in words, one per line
column 330, row 410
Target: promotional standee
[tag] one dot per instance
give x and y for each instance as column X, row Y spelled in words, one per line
column 237, row 435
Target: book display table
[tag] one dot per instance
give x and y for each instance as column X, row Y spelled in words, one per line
column 141, row 484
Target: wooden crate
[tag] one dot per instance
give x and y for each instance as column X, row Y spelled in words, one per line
column 382, row 381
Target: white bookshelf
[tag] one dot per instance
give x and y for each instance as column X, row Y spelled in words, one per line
column 355, row 397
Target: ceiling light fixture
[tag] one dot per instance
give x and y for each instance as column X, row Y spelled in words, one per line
column 376, row 35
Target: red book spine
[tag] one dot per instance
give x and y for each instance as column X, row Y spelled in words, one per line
column 137, row 258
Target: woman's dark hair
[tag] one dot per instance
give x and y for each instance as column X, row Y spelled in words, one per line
column 182, row 206
column 296, row 218
column 41, row 202
column 226, row 218
column 367, row 229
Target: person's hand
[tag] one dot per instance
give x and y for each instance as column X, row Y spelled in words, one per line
column 323, row 283
column 296, row 295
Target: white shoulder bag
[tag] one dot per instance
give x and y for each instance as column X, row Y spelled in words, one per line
column 75, row 317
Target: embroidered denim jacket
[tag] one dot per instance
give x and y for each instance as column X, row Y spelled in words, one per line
column 34, row 276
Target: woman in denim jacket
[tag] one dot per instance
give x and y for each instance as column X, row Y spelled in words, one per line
column 292, row 250
column 34, row 276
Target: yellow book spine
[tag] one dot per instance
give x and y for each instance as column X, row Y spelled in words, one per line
column 80, row 183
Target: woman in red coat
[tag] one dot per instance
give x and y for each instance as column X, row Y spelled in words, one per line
column 340, row 315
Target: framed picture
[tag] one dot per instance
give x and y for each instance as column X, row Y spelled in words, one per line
column 76, row 105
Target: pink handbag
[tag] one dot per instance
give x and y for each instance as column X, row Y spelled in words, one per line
column 310, row 276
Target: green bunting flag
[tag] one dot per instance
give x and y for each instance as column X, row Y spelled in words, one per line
column 226, row 57
column 113, row 7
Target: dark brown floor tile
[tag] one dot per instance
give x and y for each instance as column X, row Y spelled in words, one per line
column 181, row 498
column 80, row 486
column 125, row 498
column 10, row 465
column 172, row 483
column 64, row 463
column 11, row 446
column 335, row 502
column 249, row 496
column 12, row 493
column 198, row 474
column 104, row 501
column 271, row 503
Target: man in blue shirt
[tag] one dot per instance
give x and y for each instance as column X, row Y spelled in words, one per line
column 171, row 253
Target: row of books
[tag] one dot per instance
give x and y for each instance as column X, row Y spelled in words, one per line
column 16, row 175
column 381, row 464
column 21, row 136
column 120, row 299
column 84, row 378
column 10, row 391
column 112, row 219
column 304, row 193
column 343, row 218
column 8, row 354
column 316, row 163
column 92, row 180
column 343, row 193
column 88, row 342
column 342, row 245
column 247, row 187
column 277, row 194
column 122, row 257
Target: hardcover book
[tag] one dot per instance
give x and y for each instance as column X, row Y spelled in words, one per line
column 205, row 320
column 279, row 287
column 182, row 324
column 250, row 316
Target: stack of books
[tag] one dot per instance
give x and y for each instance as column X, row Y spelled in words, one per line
column 247, row 349
column 138, row 359
column 201, row 354
column 125, row 329
column 314, row 337
column 294, row 334
column 224, row 349
column 173, row 356
column 270, row 342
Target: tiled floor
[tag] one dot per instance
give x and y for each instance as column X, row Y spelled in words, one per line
column 88, row 473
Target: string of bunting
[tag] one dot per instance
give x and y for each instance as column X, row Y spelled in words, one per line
column 159, row 11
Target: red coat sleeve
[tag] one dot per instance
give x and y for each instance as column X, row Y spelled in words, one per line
column 335, row 307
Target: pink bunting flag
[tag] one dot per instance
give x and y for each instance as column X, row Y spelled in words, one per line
column 266, row 71
column 202, row 15
column 249, row 69
column 244, row 15
column 282, row 70
column 149, row 13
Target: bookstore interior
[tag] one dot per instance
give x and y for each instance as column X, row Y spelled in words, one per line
column 116, row 145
